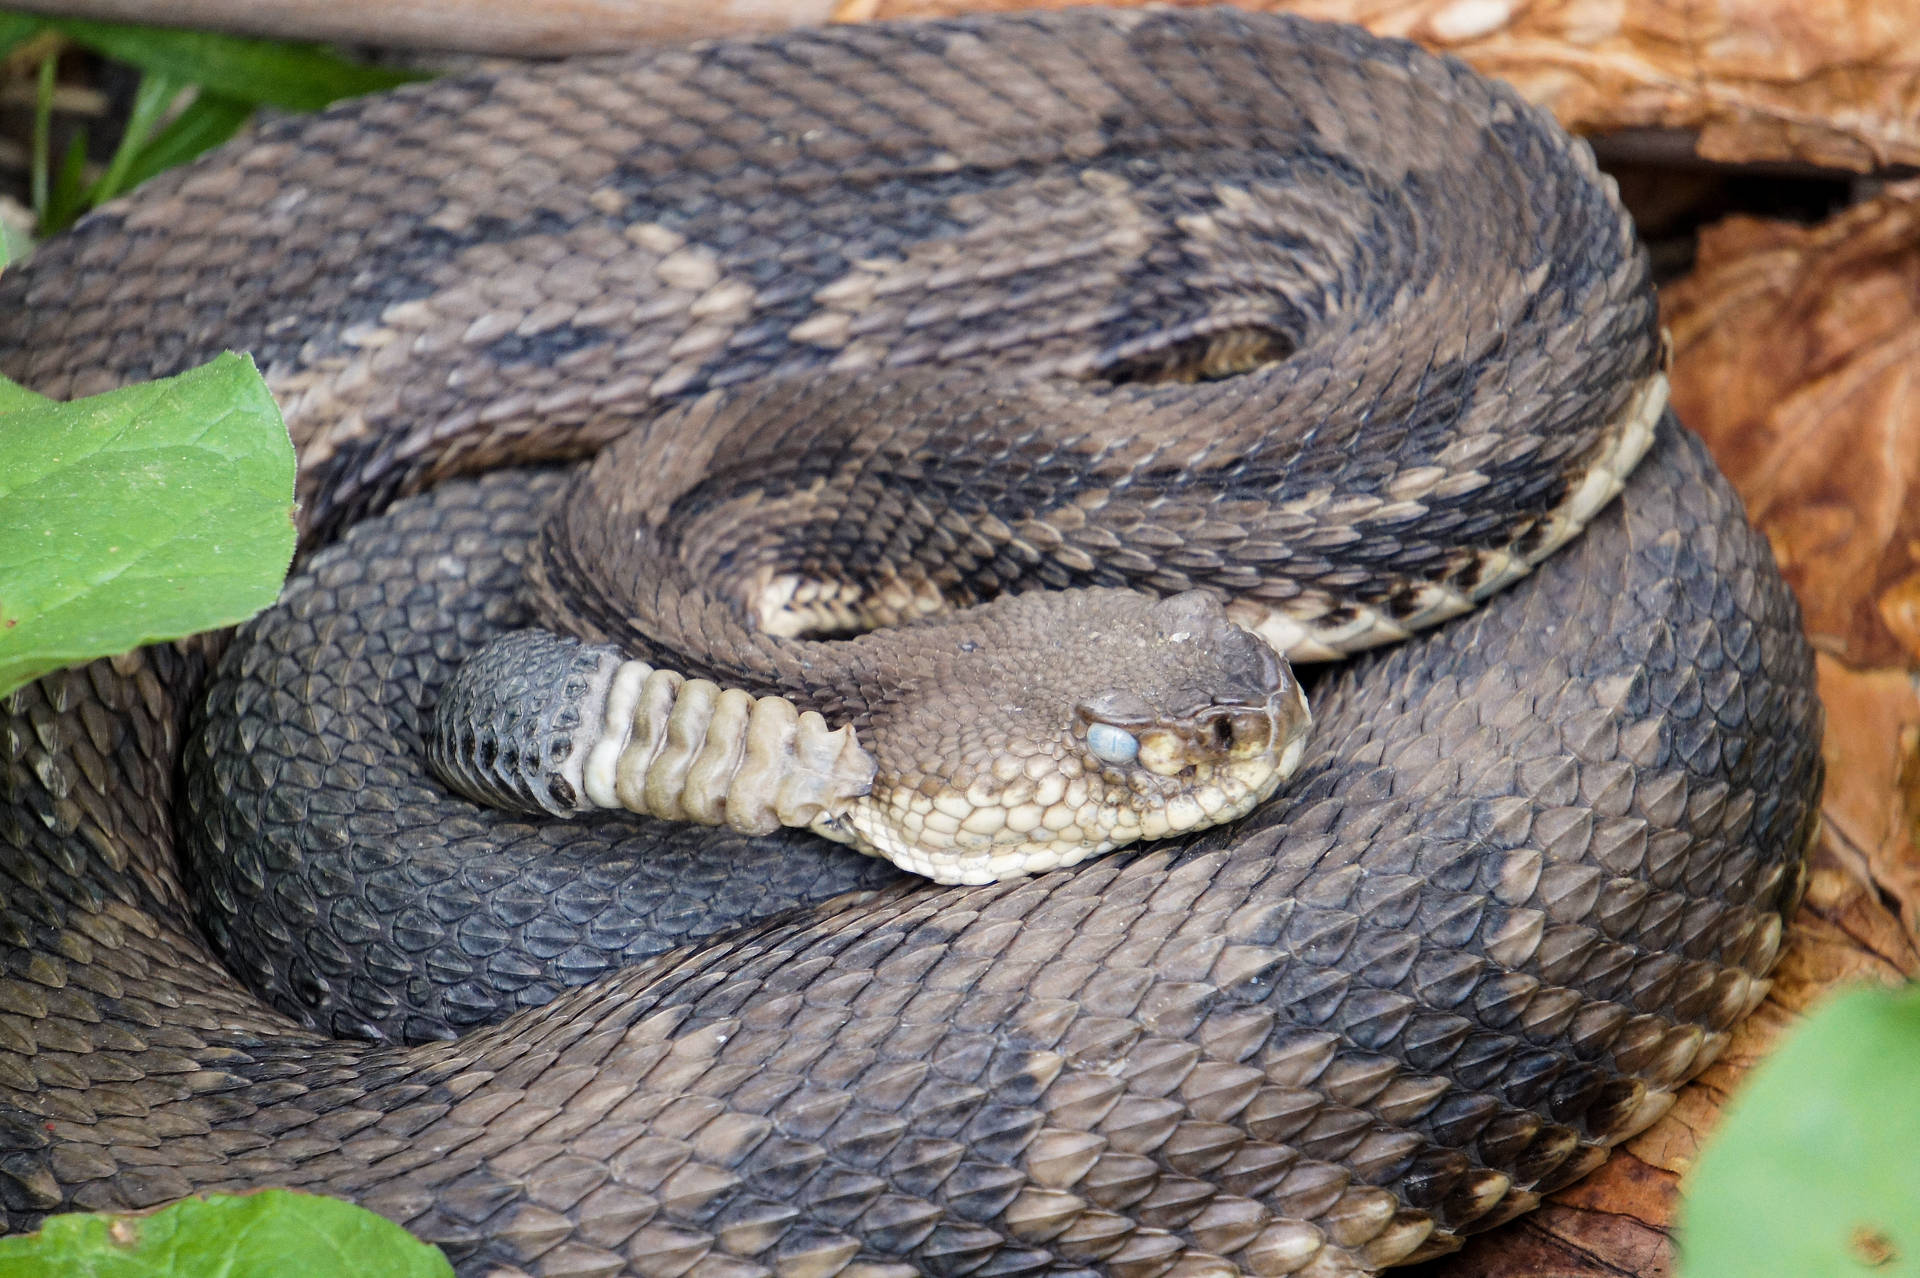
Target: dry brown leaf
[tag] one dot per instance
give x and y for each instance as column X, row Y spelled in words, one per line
column 1796, row 354
column 1872, row 807
column 1795, row 358
column 1831, row 82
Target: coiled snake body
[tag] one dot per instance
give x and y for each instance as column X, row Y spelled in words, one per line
column 1533, row 868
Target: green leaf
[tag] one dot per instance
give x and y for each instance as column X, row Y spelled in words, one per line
column 143, row 514
column 18, row 28
column 14, row 244
column 66, row 201
column 41, row 162
column 264, row 1235
column 13, row 397
column 204, row 123
column 297, row 77
column 155, row 94
column 1815, row 1171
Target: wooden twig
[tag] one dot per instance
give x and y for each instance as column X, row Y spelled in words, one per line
column 526, row 28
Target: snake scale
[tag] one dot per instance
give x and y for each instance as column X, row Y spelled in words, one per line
column 1533, row 868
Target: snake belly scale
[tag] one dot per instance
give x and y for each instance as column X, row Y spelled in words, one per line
column 1535, row 864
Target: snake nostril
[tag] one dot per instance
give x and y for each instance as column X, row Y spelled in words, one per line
column 1223, row 732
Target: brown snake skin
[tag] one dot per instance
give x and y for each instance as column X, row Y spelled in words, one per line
column 1535, row 866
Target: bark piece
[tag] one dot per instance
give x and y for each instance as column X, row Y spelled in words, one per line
column 511, row 28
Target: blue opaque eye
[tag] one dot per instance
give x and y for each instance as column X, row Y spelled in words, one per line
column 1110, row 744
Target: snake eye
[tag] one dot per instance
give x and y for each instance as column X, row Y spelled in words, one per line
column 1110, row 744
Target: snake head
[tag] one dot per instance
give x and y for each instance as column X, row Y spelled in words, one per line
column 1239, row 702
column 1039, row 730
column 1218, row 720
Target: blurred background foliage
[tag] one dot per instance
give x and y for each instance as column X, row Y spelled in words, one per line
column 166, row 96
